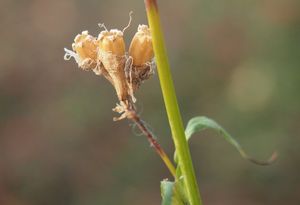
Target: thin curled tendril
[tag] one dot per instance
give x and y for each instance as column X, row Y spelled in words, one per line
column 70, row 54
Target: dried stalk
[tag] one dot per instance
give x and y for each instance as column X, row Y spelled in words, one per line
column 133, row 116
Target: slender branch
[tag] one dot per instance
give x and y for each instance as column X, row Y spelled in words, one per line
column 132, row 115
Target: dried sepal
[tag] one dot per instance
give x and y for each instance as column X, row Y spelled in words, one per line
column 136, row 75
column 114, row 65
column 121, row 109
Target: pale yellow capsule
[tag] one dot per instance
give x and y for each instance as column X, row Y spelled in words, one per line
column 85, row 46
column 112, row 55
column 112, row 41
column 141, row 49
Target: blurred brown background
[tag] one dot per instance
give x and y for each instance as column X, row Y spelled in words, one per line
column 234, row 61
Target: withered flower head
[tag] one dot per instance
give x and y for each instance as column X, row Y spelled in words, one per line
column 106, row 56
column 85, row 47
column 141, row 49
column 112, row 41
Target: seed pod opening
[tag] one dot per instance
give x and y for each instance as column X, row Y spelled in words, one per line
column 85, row 47
column 141, row 49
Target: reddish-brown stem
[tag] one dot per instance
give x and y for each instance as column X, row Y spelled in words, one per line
column 131, row 114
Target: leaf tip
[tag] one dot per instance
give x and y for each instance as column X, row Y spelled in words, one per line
column 270, row 161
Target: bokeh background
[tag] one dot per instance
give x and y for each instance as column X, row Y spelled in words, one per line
column 234, row 61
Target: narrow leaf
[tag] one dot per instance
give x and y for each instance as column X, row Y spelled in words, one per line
column 200, row 123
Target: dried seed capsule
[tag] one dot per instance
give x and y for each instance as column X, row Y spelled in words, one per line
column 111, row 53
column 141, row 52
column 141, row 49
column 112, row 41
column 85, row 46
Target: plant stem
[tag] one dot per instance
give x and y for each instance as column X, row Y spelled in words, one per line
column 131, row 114
column 171, row 104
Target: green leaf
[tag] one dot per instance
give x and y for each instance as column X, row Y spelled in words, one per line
column 167, row 192
column 200, row 123
column 172, row 193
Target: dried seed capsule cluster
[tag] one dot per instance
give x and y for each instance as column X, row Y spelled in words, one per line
column 106, row 55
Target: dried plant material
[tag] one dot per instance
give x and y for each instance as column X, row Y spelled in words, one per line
column 106, row 55
column 85, row 46
column 141, row 49
column 123, row 109
column 112, row 55
column 136, row 75
column 112, row 41
column 86, row 49
column 114, row 66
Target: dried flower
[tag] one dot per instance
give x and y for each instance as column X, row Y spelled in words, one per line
column 111, row 53
column 112, row 41
column 85, row 47
column 107, row 56
column 141, row 49
column 141, row 53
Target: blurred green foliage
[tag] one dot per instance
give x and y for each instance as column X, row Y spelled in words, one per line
column 234, row 61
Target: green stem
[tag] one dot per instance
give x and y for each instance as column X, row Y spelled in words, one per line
column 171, row 104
